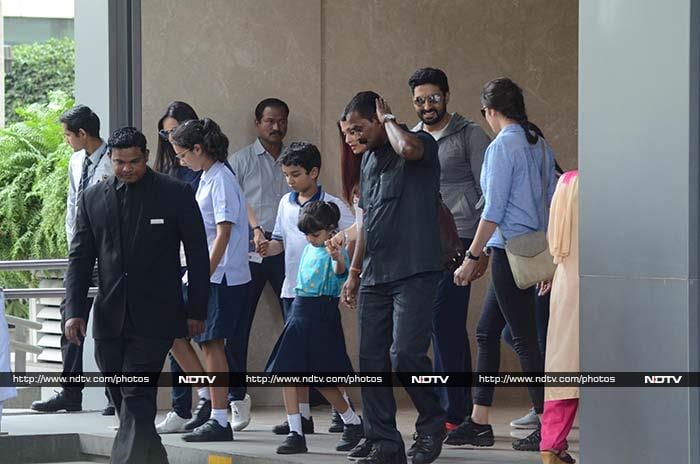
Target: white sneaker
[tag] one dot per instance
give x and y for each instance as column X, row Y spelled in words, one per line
column 240, row 413
column 172, row 424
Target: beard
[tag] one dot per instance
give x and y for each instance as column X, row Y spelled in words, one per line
column 436, row 116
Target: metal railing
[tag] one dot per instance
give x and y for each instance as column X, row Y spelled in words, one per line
column 19, row 344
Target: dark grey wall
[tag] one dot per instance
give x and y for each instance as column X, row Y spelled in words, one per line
column 638, row 157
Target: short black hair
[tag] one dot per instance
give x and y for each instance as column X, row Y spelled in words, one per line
column 302, row 154
column 127, row 137
column 432, row 76
column 364, row 104
column 318, row 215
column 81, row 117
column 269, row 103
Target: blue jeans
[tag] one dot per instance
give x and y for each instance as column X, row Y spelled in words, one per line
column 451, row 351
column 542, row 318
column 505, row 304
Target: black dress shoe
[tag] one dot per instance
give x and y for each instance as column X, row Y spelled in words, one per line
column 293, row 444
column 201, row 414
column 352, row 434
column 211, row 430
column 109, row 410
column 337, row 424
column 529, row 443
column 362, row 450
column 59, row 402
column 380, row 455
column 470, row 433
column 427, row 448
column 412, row 449
column 307, row 426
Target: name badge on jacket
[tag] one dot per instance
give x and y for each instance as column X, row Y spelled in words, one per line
column 157, row 221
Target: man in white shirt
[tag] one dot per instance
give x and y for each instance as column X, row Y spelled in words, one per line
column 88, row 166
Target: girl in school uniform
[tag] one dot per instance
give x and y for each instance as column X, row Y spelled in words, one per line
column 201, row 146
column 312, row 339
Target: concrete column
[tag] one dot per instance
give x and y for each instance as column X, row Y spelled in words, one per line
column 638, row 153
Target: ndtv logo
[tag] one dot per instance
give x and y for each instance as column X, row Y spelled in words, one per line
column 675, row 379
column 196, row 379
column 441, row 379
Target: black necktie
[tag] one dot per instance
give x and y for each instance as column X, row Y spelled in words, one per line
column 84, row 176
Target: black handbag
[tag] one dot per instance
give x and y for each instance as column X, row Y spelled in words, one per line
column 452, row 247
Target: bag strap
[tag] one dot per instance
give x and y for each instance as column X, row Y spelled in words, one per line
column 545, row 179
column 545, row 185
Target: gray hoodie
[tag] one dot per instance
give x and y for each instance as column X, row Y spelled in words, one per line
column 461, row 150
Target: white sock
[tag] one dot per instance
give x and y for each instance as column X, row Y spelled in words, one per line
column 220, row 416
column 294, row 421
column 204, row 393
column 349, row 417
column 305, row 410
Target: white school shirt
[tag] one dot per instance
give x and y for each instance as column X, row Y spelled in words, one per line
column 220, row 199
column 287, row 231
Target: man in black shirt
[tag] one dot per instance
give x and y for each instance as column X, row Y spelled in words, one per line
column 396, row 266
column 133, row 225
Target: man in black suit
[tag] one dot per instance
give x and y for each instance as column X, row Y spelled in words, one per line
column 133, row 224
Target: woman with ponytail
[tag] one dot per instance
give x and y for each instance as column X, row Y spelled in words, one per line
column 201, row 146
column 516, row 203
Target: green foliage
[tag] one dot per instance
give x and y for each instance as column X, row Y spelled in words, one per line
column 37, row 70
column 33, row 185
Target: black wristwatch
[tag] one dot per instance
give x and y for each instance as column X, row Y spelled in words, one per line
column 472, row 256
column 259, row 228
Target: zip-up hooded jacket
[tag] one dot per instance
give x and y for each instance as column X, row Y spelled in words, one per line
column 461, row 151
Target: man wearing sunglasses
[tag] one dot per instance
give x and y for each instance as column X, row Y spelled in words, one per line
column 461, row 147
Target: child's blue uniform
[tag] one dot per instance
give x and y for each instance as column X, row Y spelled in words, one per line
column 312, row 339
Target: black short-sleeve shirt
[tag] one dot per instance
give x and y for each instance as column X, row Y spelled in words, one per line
column 399, row 199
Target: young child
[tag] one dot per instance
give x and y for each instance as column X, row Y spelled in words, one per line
column 312, row 339
column 301, row 164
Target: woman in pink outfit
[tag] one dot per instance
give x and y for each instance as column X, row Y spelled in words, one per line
column 562, row 354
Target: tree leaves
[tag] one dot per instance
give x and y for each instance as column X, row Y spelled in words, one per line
column 33, row 187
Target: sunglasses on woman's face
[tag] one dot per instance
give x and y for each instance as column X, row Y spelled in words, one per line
column 483, row 112
column 165, row 134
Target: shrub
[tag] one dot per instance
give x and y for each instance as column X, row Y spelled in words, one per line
column 37, row 70
column 33, row 187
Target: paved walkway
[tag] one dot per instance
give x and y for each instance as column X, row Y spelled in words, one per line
column 258, row 442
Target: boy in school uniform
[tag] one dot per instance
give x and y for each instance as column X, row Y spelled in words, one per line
column 301, row 164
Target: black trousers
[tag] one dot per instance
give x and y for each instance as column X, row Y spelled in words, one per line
column 395, row 329
column 505, row 304
column 137, row 441
column 451, row 351
column 270, row 270
column 71, row 354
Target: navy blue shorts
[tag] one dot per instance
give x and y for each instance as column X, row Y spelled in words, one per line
column 312, row 339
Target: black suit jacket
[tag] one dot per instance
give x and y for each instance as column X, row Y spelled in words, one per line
column 145, row 285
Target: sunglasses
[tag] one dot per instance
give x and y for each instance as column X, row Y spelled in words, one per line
column 483, row 112
column 164, row 134
column 432, row 99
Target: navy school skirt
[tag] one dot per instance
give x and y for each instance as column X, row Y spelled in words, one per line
column 227, row 312
column 312, row 339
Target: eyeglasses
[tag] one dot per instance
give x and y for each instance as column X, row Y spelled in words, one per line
column 483, row 111
column 433, row 99
column 165, row 134
column 181, row 155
